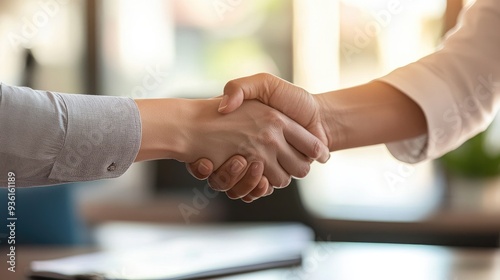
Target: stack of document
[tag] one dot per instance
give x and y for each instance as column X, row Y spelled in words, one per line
column 133, row 251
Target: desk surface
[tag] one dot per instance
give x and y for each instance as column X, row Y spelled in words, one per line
column 336, row 261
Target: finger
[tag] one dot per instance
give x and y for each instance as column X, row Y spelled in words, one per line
column 305, row 142
column 270, row 90
column 269, row 142
column 251, row 87
column 248, row 182
column 228, row 174
column 200, row 169
column 286, row 161
column 262, row 87
column 293, row 162
column 270, row 190
column 257, row 192
column 232, row 98
column 276, row 174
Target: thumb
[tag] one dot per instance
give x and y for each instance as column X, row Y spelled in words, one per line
column 231, row 100
column 251, row 87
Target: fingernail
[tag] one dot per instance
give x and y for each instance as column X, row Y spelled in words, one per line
column 219, row 180
column 231, row 196
column 223, row 103
column 255, row 169
column 270, row 190
column 327, row 159
column 236, row 166
column 203, row 169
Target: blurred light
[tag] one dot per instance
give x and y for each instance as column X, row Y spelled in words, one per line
column 316, row 44
column 238, row 58
column 60, row 39
column 403, row 40
column 417, row 7
column 10, row 56
column 53, row 31
column 366, row 261
column 369, row 184
column 365, row 183
column 145, row 32
column 468, row 2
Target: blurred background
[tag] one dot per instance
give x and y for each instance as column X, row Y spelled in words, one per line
column 190, row 49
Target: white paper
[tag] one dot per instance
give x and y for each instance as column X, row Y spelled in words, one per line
column 189, row 252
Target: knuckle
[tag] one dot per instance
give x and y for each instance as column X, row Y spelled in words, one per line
column 249, row 150
column 316, row 151
column 231, row 86
column 263, row 76
column 283, row 183
column 275, row 119
column 219, row 181
column 249, row 198
column 213, row 184
column 269, row 191
column 268, row 138
column 287, row 182
column 232, row 194
column 269, row 83
column 303, row 171
column 259, row 192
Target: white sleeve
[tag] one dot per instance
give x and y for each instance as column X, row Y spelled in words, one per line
column 457, row 87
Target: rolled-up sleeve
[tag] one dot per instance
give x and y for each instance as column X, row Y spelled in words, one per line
column 457, row 87
column 50, row 138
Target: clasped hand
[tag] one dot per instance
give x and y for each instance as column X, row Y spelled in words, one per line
column 282, row 144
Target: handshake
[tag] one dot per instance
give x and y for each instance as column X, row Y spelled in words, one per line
column 247, row 148
column 283, row 139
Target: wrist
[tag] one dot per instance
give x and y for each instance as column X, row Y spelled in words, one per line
column 163, row 128
column 330, row 121
column 369, row 114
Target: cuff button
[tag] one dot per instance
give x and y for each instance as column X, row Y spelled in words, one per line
column 112, row 167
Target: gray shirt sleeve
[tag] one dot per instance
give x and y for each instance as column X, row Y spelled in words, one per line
column 50, row 138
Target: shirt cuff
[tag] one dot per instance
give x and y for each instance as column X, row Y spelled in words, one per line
column 433, row 96
column 102, row 139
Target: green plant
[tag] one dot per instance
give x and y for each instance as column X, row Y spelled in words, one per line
column 474, row 159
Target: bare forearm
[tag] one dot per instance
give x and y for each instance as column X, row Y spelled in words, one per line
column 369, row 114
column 162, row 134
column 187, row 130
